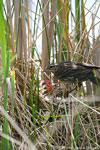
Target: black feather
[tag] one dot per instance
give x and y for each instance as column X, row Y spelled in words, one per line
column 73, row 72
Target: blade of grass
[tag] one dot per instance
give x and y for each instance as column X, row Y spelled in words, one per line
column 2, row 40
column 31, row 95
column 67, row 118
column 5, row 69
column 96, row 80
column 77, row 16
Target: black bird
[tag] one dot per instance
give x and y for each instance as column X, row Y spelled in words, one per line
column 74, row 72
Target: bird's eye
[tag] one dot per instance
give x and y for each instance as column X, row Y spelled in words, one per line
column 51, row 66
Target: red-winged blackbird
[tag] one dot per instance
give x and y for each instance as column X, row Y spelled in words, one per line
column 74, row 72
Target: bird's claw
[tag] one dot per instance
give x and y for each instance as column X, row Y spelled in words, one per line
column 67, row 93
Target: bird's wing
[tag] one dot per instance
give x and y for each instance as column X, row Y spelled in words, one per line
column 73, row 73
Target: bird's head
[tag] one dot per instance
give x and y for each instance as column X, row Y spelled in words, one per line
column 51, row 68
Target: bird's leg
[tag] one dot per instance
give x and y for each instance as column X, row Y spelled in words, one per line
column 71, row 91
column 79, row 84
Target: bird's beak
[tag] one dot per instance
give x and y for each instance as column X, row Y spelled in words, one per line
column 46, row 69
